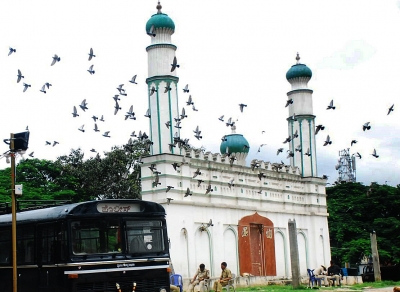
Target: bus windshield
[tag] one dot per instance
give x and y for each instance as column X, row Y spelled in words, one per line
column 95, row 236
column 144, row 237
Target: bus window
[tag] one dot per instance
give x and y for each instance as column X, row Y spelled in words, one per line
column 5, row 246
column 25, row 245
column 144, row 237
column 95, row 236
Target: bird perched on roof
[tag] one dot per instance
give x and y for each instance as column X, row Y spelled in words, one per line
column 90, row 70
column 174, row 64
column 366, row 126
column 374, row 154
column 319, row 128
column 328, row 141
column 186, row 89
column 187, row 193
column 391, row 109
column 26, row 86
column 133, row 80
column 280, row 150
column 55, row 59
column 19, row 76
column 241, row 106
column 91, row 55
column 11, row 50
column 289, row 102
column 330, row 106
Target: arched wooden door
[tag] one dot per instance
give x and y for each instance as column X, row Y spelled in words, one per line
column 256, row 246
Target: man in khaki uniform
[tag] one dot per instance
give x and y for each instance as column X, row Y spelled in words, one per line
column 226, row 275
column 201, row 274
column 320, row 273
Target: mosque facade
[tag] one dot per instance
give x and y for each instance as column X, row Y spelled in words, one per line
column 218, row 207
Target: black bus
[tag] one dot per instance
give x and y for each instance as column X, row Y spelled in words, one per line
column 107, row 245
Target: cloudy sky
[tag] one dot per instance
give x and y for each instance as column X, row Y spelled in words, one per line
column 230, row 52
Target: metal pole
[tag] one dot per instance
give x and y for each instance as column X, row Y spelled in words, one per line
column 14, row 215
column 375, row 257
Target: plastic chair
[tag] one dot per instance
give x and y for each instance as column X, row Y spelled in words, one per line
column 207, row 284
column 312, row 279
column 230, row 284
column 176, row 280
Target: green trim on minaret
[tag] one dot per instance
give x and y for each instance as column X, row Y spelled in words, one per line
column 294, row 151
column 160, row 20
column 301, row 153
column 158, row 118
column 311, row 149
column 170, row 119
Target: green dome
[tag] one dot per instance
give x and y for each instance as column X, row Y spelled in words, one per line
column 160, row 20
column 236, row 144
column 298, row 70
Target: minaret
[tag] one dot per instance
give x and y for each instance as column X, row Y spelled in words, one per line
column 236, row 145
column 163, row 103
column 301, row 120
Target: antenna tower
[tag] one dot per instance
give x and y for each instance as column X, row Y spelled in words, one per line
column 346, row 166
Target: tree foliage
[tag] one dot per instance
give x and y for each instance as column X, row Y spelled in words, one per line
column 71, row 177
column 355, row 211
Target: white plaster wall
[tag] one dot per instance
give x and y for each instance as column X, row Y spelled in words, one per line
column 302, row 103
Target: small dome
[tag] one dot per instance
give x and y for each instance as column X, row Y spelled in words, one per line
column 160, row 20
column 236, row 144
column 298, row 70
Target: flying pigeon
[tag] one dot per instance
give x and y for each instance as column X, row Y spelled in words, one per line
column 261, row 175
column 288, row 102
column 156, row 181
column 199, row 181
column 83, row 105
column 168, row 189
column 288, row 139
column 241, row 106
column 102, row 118
column 295, row 135
column 168, row 87
column 130, row 114
column 221, row 118
column 133, row 134
column 359, row 155
column 148, row 115
column 133, row 80
column 55, row 59
column 391, row 109
column 209, row 189
column 116, row 98
column 353, row 142
column 19, row 76
column 290, row 154
column 374, row 154
column 327, row 141
column 106, row 134
column 90, row 70
column 151, row 31
column 117, row 108
column 308, row 152
column 121, row 90
column 152, row 90
column 91, row 54
column 174, row 64
column 175, row 165
column 95, row 118
column 319, row 128
column 183, row 114
column 43, row 89
column 366, row 126
column 168, row 124
column 75, row 113
column 330, row 106
column 190, row 101
column 188, row 193
column 92, row 150
column 48, row 85
column 197, row 172
column 280, row 150
column 48, row 143
column 11, row 50
column 194, row 109
column 230, row 183
column 55, row 143
column 298, row 148
column 81, row 129
column 96, row 129
column 31, row 154
column 186, row 89
column 26, row 86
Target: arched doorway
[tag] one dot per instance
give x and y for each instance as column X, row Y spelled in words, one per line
column 257, row 246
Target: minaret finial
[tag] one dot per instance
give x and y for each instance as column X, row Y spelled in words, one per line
column 159, row 8
column 297, row 57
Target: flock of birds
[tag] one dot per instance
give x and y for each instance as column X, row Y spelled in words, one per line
column 177, row 140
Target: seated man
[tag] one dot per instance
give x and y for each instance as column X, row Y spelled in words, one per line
column 174, row 288
column 320, row 273
column 226, row 275
column 201, row 274
column 334, row 273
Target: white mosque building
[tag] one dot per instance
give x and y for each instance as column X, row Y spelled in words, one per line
column 239, row 213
